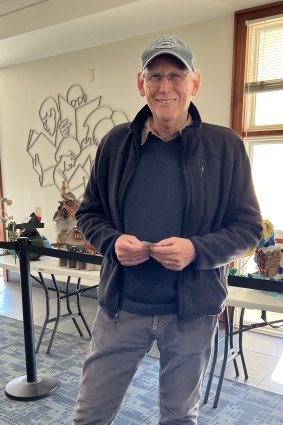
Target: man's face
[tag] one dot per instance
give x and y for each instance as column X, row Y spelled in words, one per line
column 168, row 103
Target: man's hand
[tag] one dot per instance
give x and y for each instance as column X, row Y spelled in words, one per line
column 173, row 253
column 130, row 251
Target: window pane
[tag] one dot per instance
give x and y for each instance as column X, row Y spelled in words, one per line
column 267, row 175
column 269, row 108
column 270, row 52
column 264, row 75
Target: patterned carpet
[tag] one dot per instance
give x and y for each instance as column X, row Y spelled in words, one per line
column 239, row 404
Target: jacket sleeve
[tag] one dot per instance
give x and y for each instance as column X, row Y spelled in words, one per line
column 241, row 227
column 92, row 218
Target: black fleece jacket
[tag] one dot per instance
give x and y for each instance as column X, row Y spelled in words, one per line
column 221, row 218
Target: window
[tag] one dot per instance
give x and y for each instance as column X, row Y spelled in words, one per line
column 257, row 112
column 264, row 75
column 257, row 101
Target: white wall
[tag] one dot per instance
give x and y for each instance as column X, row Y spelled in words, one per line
column 24, row 87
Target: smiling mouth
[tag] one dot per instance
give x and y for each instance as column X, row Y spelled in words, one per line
column 165, row 101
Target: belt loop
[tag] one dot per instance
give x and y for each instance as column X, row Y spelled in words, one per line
column 155, row 323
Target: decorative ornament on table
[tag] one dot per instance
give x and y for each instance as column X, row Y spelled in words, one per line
column 4, row 217
column 28, row 228
column 269, row 254
column 8, row 221
column 64, row 217
column 68, row 236
column 267, row 238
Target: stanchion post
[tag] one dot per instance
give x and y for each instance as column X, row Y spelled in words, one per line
column 27, row 309
column 30, row 386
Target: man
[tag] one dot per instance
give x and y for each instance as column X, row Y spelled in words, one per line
column 170, row 203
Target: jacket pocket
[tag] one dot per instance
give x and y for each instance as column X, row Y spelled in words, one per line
column 202, row 293
column 110, row 284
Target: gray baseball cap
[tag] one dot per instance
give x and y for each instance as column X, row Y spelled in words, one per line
column 168, row 45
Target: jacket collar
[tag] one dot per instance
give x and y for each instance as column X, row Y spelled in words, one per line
column 140, row 119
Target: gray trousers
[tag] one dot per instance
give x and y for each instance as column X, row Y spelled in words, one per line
column 118, row 346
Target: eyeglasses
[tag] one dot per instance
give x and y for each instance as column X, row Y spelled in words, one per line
column 154, row 79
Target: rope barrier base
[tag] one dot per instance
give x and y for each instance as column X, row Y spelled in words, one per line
column 20, row 389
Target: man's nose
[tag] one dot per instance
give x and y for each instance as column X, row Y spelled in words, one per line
column 164, row 83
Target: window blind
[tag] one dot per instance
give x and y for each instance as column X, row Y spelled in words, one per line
column 265, row 59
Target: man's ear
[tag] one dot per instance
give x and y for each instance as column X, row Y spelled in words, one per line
column 196, row 83
column 140, row 82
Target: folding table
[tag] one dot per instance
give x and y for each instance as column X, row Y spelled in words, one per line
column 47, row 268
column 243, row 298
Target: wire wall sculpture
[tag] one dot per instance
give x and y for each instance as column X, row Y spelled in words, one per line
column 72, row 128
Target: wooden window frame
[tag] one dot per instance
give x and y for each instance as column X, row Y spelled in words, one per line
column 239, row 66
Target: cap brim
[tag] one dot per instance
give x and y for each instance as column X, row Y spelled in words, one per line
column 166, row 52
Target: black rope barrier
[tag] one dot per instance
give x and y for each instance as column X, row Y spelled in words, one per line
column 50, row 252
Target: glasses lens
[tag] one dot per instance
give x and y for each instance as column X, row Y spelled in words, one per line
column 175, row 79
column 155, row 78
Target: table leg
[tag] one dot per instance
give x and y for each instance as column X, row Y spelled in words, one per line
column 47, row 304
column 79, row 307
column 61, row 294
column 212, row 367
column 241, row 351
column 58, row 313
column 69, row 306
column 225, row 357
column 231, row 338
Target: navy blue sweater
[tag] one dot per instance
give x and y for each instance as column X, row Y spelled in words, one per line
column 153, row 210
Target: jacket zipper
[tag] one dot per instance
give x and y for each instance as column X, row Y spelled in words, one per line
column 189, row 208
column 185, row 231
column 204, row 190
column 115, row 319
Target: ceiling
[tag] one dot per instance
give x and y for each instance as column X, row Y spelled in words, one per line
column 32, row 29
column 9, row 6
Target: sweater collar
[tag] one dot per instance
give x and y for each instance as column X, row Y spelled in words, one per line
column 148, row 128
